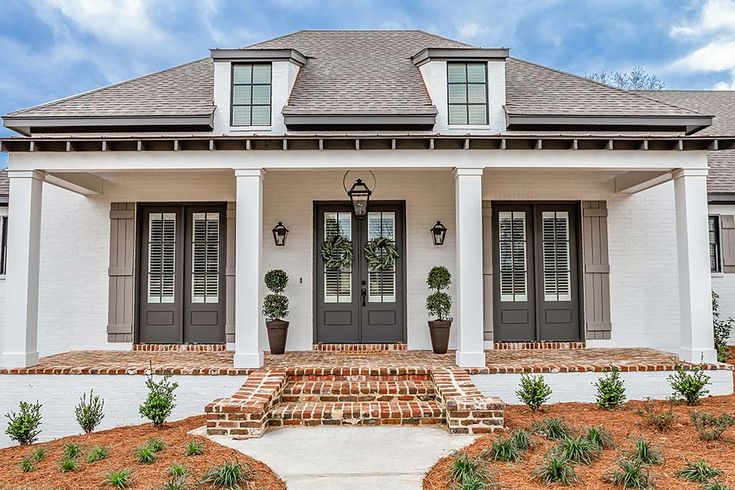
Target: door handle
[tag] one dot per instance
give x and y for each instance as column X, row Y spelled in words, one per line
column 363, row 292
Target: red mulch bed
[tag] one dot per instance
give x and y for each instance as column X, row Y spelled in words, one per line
column 121, row 442
column 678, row 445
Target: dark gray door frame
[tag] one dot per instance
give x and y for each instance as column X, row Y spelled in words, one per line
column 401, row 272
column 576, row 259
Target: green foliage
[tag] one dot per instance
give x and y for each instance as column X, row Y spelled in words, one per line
column 715, row 485
column 722, row 328
column 578, row 450
column 467, row 473
column 698, row 471
column 521, row 439
column 337, row 253
column 90, row 412
column 505, row 449
column 439, row 304
column 39, row 453
column 26, row 464
column 96, row 453
column 23, row 427
column 552, row 429
column 175, row 484
column 275, row 305
column 276, row 280
column 144, row 454
column 72, row 450
column 691, row 386
column 194, row 448
column 645, row 453
column 630, row 474
column 711, row 427
column 229, row 475
column 555, row 469
column 600, row 437
column 534, row 391
column 155, row 444
column 120, row 479
column 381, row 254
column 610, row 390
column 439, row 278
column 159, row 403
column 68, row 464
column 661, row 421
column 178, row 470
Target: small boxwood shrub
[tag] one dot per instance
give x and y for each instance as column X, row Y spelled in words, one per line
column 90, row 412
column 159, row 403
column 689, row 385
column 661, row 421
column 23, row 426
column 533, row 391
column 698, row 471
column 96, row 453
column 555, row 469
column 120, row 479
column 610, row 390
column 711, row 427
column 194, row 448
column 629, row 474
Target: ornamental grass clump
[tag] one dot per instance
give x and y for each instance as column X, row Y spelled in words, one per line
column 689, row 385
column 159, row 403
column 551, row 428
column 229, row 475
column 468, row 473
column 533, row 391
column 90, row 412
column 505, row 449
column 661, row 421
column 144, row 454
column 600, row 437
column 645, row 453
column 715, row 485
column 194, row 448
column 629, row 474
column 26, row 464
column 72, row 450
column 711, row 427
column 23, row 426
column 555, row 469
column 698, row 471
column 96, row 453
column 610, row 390
column 120, row 479
column 578, row 450
column 39, row 453
column 68, row 464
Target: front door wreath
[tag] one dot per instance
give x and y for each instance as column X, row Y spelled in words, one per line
column 381, row 254
column 337, row 253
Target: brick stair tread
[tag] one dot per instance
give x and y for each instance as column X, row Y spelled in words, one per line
column 415, row 409
column 404, row 387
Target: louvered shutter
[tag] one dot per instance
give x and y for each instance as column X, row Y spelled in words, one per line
column 121, row 272
column 596, row 270
column 727, row 237
column 230, row 275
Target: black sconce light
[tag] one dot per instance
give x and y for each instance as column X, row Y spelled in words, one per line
column 438, row 232
column 279, row 234
column 359, row 195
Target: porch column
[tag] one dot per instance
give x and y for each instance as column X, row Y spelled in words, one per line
column 248, row 273
column 468, row 280
column 695, row 284
column 20, row 333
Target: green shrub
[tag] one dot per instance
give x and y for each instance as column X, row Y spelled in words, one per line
column 711, row 427
column 629, row 474
column 698, row 471
column 645, row 453
column 276, row 280
column 691, row 386
column 552, row 429
column 275, row 305
column 159, row 403
column 26, row 464
column 23, row 427
column 521, row 439
column 68, row 464
column 661, row 421
column 175, row 484
column 72, row 450
column 39, row 453
column 578, row 450
column 194, row 448
column 722, row 328
column 555, row 469
column 534, row 391
column 600, row 437
column 120, row 479
column 468, row 473
column 90, row 412
column 229, row 475
column 155, row 444
column 715, row 485
column 505, row 449
column 144, row 454
column 439, row 303
column 96, row 453
column 178, row 470
column 610, row 390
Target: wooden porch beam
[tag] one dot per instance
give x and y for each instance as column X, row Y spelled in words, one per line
column 80, row 182
column 634, row 182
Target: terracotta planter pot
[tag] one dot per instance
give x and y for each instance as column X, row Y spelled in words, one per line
column 277, row 334
column 439, row 330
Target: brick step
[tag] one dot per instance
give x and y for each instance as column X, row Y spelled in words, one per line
column 361, row 391
column 359, row 378
column 357, row 413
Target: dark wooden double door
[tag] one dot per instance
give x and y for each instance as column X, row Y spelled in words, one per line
column 356, row 304
column 535, row 269
column 181, row 290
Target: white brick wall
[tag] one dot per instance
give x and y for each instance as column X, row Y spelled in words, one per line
column 724, row 284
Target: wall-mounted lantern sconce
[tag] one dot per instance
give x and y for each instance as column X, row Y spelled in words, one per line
column 438, row 232
column 279, row 234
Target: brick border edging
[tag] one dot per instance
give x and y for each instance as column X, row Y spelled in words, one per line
column 179, row 347
column 360, row 347
column 543, row 345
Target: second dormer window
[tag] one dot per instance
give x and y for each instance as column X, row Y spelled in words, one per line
column 467, row 93
column 251, row 94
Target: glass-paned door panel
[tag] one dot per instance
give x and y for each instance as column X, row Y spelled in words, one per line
column 161, row 257
column 512, row 244
column 337, row 280
column 205, row 255
column 555, row 253
column 381, row 283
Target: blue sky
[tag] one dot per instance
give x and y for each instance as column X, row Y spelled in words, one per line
column 55, row 48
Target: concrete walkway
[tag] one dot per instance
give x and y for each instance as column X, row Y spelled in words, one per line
column 326, row 458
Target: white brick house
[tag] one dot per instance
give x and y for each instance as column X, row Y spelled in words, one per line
column 142, row 212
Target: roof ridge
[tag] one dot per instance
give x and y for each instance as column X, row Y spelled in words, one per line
column 360, row 30
column 99, row 89
column 580, row 77
column 691, row 90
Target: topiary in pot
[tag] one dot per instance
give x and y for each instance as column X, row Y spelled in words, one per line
column 439, row 304
column 275, row 309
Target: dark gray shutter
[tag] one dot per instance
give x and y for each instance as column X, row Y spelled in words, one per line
column 230, row 276
column 121, row 272
column 596, row 270
column 727, row 234
column 487, row 270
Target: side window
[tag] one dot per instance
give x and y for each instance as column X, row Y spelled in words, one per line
column 467, row 93
column 715, row 249
column 251, row 94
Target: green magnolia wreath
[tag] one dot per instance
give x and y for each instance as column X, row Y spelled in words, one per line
column 381, row 254
column 337, row 253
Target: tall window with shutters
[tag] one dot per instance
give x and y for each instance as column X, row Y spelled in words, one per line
column 513, row 259
column 205, row 253
column 556, row 255
column 338, row 283
column 382, row 284
column 715, row 248
column 161, row 257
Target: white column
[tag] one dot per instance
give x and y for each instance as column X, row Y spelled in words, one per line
column 20, row 332
column 468, row 275
column 695, row 283
column 248, row 270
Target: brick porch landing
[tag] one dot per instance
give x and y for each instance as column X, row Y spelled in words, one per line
column 380, row 362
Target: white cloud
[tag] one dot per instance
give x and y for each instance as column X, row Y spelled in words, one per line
column 716, row 16
column 470, row 30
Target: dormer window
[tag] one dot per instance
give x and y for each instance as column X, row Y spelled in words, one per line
column 467, row 93
column 251, row 94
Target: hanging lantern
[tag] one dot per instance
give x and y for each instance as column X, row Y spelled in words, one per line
column 438, row 232
column 279, row 234
column 359, row 195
